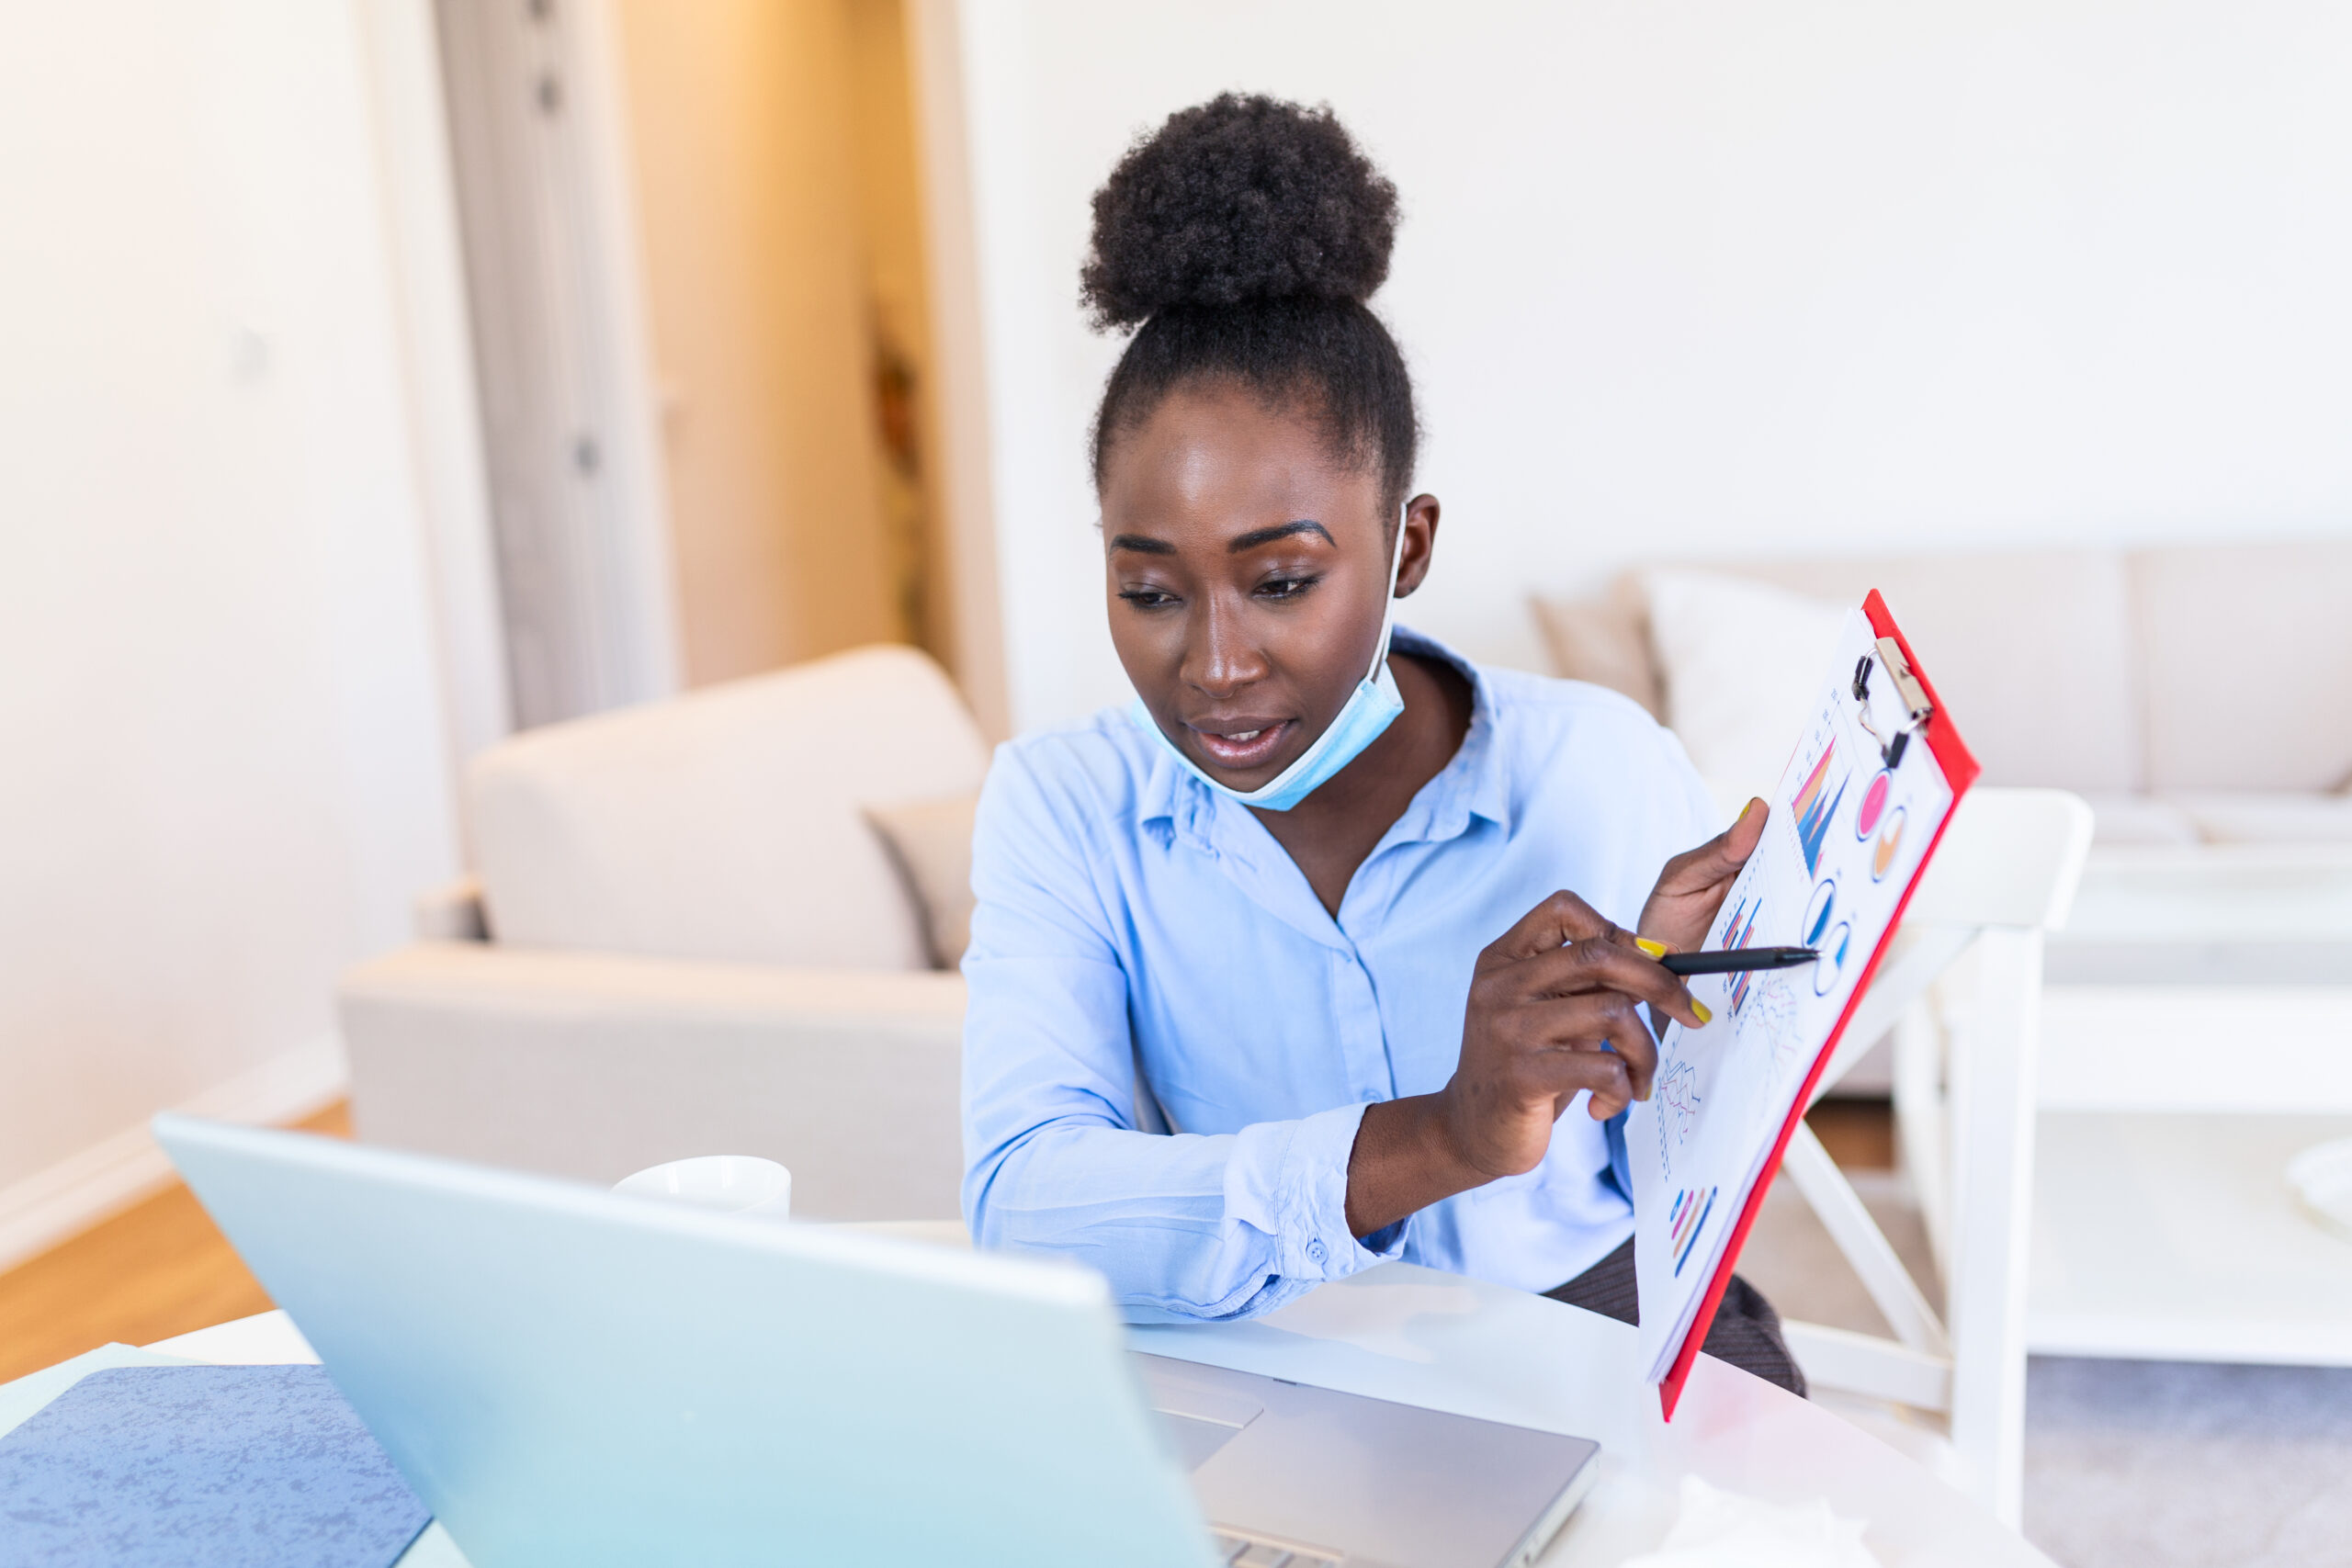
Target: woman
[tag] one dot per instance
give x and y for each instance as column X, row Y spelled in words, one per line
column 1273, row 976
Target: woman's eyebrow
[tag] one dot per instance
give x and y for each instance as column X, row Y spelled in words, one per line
column 1144, row 544
column 1257, row 536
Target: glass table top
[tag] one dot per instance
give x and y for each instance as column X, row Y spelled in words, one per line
column 2213, row 915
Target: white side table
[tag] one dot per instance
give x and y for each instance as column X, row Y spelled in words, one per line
column 2197, row 1034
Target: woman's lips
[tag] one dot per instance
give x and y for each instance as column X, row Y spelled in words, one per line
column 1243, row 745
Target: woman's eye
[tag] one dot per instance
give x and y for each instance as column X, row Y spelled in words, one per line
column 1284, row 587
column 1147, row 598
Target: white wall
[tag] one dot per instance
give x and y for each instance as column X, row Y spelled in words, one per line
column 224, row 762
column 1692, row 276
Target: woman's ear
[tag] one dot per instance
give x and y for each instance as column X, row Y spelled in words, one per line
column 1420, row 543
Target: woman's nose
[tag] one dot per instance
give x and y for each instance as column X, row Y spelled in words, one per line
column 1219, row 656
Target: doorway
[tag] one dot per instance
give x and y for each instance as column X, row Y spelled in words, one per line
column 696, row 264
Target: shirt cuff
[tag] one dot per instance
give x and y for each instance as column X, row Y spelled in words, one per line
column 1314, row 1242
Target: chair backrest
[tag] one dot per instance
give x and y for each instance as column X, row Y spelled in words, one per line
column 726, row 824
column 2010, row 857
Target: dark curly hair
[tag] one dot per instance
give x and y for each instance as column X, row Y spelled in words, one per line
column 1245, row 235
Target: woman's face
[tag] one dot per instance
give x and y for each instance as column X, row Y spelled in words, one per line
column 1247, row 571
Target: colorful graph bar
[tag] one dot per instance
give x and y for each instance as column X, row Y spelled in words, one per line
column 1737, row 933
column 1816, row 805
column 1686, row 1230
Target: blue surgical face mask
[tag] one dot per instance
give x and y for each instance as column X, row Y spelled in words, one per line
column 1371, row 708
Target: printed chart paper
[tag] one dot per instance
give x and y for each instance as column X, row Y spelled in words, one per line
column 1847, row 837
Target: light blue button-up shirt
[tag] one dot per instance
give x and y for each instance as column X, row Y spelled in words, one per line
column 1130, row 918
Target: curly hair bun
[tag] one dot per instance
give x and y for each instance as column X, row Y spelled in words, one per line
column 1240, row 200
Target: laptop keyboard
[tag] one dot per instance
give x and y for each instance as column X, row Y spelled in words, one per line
column 1243, row 1551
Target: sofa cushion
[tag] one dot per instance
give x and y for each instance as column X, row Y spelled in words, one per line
column 725, row 824
column 932, row 841
column 2248, row 652
column 2250, row 817
column 2033, row 650
column 1742, row 663
column 591, row 1066
column 1604, row 640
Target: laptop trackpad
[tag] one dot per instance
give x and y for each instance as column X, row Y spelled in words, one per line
column 1196, row 1440
column 1198, row 1419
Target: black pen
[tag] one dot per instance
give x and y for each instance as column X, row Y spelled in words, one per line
column 1731, row 960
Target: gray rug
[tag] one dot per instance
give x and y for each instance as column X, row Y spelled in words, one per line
column 2161, row 1465
column 2128, row 1464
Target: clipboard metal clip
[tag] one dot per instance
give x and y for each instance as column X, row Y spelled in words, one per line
column 1917, row 708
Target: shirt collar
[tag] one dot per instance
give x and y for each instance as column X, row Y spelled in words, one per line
column 1472, row 785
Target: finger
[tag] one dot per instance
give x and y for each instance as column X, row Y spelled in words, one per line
column 1566, row 1074
column 1582, row 1023
column 1562, row 917
column 1606, row 966
column 1720, row 858
column 1597, row 965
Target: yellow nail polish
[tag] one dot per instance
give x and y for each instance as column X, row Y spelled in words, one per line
column 1701, row 1009
column 1655, row 949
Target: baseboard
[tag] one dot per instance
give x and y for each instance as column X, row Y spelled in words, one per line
column 78, row 1191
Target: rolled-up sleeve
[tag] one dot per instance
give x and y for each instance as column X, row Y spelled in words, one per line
column 1184, row 1225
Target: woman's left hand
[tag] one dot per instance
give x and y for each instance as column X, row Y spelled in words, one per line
column 1691, row 888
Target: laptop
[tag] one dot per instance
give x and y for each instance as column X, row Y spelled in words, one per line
column 570, row 1376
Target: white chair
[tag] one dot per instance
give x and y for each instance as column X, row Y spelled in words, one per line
column 1961, row 994
column 687, row 939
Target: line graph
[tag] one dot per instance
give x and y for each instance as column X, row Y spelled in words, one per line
column 1676, row 1093
column 1769, row 1026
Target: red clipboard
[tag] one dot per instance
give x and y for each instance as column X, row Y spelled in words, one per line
column 1960, row 770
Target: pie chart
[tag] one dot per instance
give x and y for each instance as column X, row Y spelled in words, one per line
column 1832, row 962
column 1874, row 805
column 1890, row 839
column 1817, row 911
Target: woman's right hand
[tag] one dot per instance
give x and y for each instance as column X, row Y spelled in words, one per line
column 1555, row 1009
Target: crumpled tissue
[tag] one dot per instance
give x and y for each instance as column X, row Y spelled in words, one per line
column 1723, row 1529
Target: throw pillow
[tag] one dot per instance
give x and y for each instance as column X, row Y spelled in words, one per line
column 1601, row 639
column 1741, row 662
column 932, row 841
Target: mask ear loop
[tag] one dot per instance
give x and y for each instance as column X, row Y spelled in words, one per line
column 1388, row 607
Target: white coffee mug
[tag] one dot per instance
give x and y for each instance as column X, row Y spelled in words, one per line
column 736, row 1184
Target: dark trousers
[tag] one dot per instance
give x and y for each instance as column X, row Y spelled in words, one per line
column 1747, row 1331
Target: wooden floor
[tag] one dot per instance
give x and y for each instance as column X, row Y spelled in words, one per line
column 161, row 1269
column 153, row 1271
column 1857, row 1134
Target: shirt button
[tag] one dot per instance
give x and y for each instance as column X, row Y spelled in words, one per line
column 1315, row 1253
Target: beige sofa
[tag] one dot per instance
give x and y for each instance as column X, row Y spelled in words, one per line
column 2196, row 696
column 685, row 937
